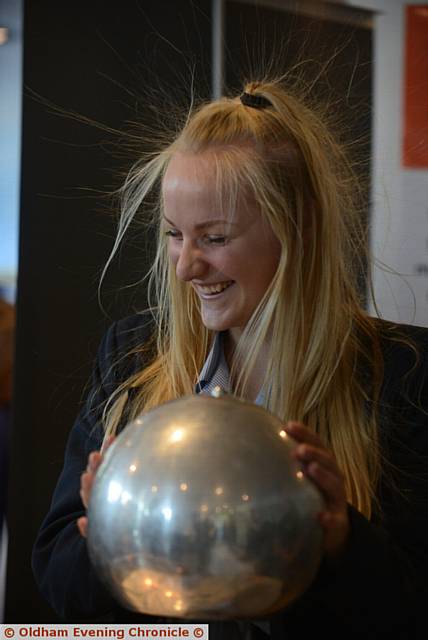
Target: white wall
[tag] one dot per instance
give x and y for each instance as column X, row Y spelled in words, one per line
column 399, row 235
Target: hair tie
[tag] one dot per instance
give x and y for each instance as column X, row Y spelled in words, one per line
column 255, row 101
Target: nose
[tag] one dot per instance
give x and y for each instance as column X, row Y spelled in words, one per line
column 190, row 262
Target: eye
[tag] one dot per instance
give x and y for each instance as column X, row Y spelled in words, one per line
column 221, row 240
column 172, row 234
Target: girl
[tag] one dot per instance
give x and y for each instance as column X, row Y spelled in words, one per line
column 255, row 279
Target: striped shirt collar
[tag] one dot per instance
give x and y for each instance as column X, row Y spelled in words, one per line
column 215, row 371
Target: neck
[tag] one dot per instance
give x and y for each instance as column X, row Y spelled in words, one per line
column 232, row 337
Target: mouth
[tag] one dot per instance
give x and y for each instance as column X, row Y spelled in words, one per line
column 211, row 292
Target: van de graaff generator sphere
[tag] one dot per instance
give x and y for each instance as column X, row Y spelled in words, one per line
column 200, row 511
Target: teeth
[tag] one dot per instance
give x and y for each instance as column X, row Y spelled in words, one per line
column 215, row 288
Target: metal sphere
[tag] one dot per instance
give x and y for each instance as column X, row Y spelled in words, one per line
column 200, row 512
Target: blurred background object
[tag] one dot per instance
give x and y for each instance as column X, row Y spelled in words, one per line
column 7, row 333
column 11, row 45
column 7, row 343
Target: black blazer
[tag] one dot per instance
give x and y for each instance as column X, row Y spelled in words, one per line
column 380, row 587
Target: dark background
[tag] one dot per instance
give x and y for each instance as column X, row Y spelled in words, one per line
column 97, row 59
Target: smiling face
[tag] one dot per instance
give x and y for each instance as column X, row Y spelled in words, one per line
column 229, row 260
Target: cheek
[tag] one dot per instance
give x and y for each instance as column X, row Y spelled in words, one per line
column 219, row 260
column 263, row 271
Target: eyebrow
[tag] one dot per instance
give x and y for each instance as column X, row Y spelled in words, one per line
column 205, row 225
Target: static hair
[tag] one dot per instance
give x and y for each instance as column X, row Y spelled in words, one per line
column 312, row 319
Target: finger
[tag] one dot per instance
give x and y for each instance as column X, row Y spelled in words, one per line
column 307, row 453
column 86, row 483
column 301, row 433
column 82, row 525
column 327, row 520
column 86, row 480
column 94, row 461
column 330, row 485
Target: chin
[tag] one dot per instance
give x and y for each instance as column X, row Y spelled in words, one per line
column 222, row 325
column 216, row 325
column 213, row 326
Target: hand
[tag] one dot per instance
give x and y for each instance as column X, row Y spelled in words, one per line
column 86, row 482
column 320, row 466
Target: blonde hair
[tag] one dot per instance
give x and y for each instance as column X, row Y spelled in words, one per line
column 321, row 339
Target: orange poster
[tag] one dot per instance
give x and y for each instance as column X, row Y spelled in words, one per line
column 415, row 142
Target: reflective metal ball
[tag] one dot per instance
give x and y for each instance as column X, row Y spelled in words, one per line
column 199, row 511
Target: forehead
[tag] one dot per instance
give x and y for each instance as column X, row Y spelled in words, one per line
column 190, row 174
column 189, row 190
column 204, row 183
